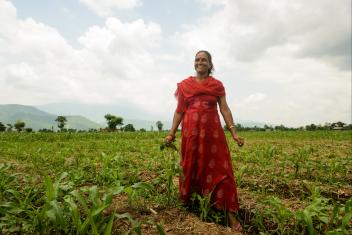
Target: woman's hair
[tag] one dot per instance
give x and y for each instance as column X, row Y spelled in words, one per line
column 211, row 69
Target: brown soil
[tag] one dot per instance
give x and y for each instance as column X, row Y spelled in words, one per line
column 173, row 220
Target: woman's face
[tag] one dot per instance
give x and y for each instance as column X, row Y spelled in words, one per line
column 202, row 63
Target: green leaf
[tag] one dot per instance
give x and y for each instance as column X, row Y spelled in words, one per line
column 346, row 219
column 160, row 229
column 108, row 228
column 76, row 218
column 309, row 223
column 98, row 210
column 50, row 193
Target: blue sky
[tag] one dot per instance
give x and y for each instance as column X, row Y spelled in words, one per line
column 282, row 62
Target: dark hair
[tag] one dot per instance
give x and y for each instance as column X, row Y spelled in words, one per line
column 211, row 69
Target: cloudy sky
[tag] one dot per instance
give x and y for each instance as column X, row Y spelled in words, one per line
column 281, row 61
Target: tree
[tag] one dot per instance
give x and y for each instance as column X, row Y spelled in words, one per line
column 159, row 124
column 19, row 125
column 113, row 121
column 311, row 127
column 268, row 128
column 239, row 127
column 338, row 124
column 281, row 128
column 9, row 127
column 2, row 127
column 61, row 122
column 28, row 129
column 129, row 127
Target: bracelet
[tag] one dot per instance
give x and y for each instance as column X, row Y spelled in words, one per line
column 232, row 126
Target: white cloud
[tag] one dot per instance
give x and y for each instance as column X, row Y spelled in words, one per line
column 114, row 63
column 105, row 7
column 254, row 98
column 245, row 30
column 211, row 3
column 295, row 53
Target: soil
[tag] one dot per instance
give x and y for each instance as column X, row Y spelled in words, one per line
column 173, row 220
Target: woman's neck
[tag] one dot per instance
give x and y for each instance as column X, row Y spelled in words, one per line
column 201, row 76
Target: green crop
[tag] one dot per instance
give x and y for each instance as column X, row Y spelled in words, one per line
column 293, row 182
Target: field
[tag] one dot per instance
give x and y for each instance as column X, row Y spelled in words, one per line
column 113, row 183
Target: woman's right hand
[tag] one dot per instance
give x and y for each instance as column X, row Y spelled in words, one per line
column 169, row 138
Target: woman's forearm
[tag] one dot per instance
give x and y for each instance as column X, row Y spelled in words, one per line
column 175, row 122
column 227, row 115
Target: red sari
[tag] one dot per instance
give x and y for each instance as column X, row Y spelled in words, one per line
column 205, row 156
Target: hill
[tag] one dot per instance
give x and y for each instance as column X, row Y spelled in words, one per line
column 38, row 119
column 96, row 113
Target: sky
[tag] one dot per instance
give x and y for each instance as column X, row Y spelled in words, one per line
column 281, row 61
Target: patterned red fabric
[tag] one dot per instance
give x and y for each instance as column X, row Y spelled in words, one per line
column 205, row 156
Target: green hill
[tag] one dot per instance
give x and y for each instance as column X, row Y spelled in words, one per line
column 37, row 119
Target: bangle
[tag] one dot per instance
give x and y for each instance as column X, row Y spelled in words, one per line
column 232, row 126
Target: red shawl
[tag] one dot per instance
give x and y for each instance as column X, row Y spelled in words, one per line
column 190, row 87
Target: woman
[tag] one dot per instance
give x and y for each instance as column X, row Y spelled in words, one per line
column 205, row 156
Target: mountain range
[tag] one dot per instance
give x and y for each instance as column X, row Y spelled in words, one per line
column 38, row 119
column 44, row 116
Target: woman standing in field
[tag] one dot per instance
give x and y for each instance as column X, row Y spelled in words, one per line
column 205, row 156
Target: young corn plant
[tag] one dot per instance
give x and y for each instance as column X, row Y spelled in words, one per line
column 202, row 204
column 341, row 219
column 137, row 190
column 315, row 217
column 92, row 207
column 172, row 169
column 17, row 206
column 299, row 160
column 240, row 173
column 279, row 214
column 52, row 213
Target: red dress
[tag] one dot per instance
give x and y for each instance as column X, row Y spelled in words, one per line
column 205, row 156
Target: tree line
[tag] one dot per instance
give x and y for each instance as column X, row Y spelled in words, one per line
column 311, row 127
column 114, row 123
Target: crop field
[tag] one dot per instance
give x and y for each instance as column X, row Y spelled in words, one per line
column 294, row 182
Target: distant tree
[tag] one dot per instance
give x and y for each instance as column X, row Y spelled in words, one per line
column 268, row 128
column 9, row 127
column 239, row 127
column 129, row 127
column 257, row 128
column 159, row 124
column 281, row 128
column 113, row 121
column 45, row 130
column 2, row 127
column 61, row 122
column 142, row 130
column 19, row 125
column 28, row 129
column 338, row 124
column 311, row 127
